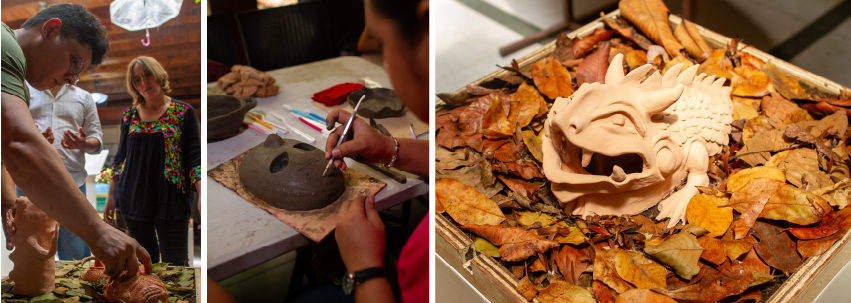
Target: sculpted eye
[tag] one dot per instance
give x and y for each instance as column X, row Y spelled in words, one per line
column 618, row 119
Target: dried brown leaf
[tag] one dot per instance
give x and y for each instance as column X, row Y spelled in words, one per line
column 516, row 244
column 465, row 204
column 593, row 68
column 651, row 16
column 551, row 78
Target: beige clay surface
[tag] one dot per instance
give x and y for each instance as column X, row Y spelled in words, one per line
column 35, row 239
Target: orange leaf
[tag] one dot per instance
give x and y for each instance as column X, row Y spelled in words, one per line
column 751, row 60
column 529, row 103
column 587, row 43
column 735, row 248
column 713, row 249
column 569, row 263
column 777, row 108
column 604, row 271
column 527, row 289
column 708, row 212
column 776, row 248
column 748, row 218
column 755, row 126
column 752, row 261
column 640, row 270
column 515, row 244
column 495, row 121
column 561, row 291
column 551, row 78
column 525, row 189
column 750, row 82
column 641, row 295
column 466, row 205
column 534, row 144
column 787, row 86
column 809, row 248
column 626, row 30
column 470, row 121
column 651, row 16
column 785, row 202
column 602, row 293
column 593, row 68
column 689, row 38
column 717, row 64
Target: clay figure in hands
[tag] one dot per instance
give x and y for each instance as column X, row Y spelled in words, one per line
column 143, row 288
column 35, row 237
column 622, row 146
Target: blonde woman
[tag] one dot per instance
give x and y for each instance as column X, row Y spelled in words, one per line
column 157, row 165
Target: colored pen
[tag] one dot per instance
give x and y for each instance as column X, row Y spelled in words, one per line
column 255, row 128
column 317, row 116
column 301, row 113
column 260, row 121
column 309, row 124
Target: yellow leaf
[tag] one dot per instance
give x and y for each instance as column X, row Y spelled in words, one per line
column 605, row 272
column 483, row 246
column 533, row 143
column 561, row 291
column 708, row 211
column 528, row 218
column 681, row 251
column 785, row 202
column 573, row 236
column 741, row 178
column 640, row 270
column 641, row 295
column 465, row 204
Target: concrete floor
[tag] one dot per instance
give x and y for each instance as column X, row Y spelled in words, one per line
column 814, row 35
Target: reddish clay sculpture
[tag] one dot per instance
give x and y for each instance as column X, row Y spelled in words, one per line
column 143, row 288
column 35, row 239
column 623, row 146
column 94, row 272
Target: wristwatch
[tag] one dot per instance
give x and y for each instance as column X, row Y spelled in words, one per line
column 353, row 279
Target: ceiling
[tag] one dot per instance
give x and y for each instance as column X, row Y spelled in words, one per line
column 176, row 45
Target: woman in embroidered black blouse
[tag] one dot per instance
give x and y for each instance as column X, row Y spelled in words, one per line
column 157, row 165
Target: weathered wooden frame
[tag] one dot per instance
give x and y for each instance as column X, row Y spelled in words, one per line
column 497, row 284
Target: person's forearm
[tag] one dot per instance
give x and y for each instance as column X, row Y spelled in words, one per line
column 35, row 166
column 90, row 145
column 376, row 290
column 8, row 188
column 413, row 156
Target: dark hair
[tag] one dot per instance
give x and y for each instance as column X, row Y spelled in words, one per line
column 78, row 23
column 402, row 12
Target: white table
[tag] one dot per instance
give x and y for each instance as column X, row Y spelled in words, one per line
column 241, row 235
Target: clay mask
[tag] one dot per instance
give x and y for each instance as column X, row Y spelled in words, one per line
column 623, row 146
column 225, row 115
column 287, row 174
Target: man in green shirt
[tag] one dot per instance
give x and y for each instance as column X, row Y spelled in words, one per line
column 52, row 48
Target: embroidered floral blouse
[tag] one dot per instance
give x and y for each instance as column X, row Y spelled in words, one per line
column 158, row 163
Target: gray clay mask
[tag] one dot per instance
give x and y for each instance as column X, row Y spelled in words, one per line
column 287, row 174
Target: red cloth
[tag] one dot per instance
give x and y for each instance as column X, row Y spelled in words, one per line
column 337, row 94
column 413, row 266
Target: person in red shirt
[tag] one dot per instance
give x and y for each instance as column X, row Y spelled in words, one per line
column 401, row 28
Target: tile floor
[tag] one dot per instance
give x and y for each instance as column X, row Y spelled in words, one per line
column 814, row 35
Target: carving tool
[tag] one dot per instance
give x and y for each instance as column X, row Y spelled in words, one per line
column 301, row 113
column 345, row 133
column 295, row 130
column 413, row 135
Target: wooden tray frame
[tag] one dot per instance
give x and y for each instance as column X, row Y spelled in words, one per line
column 196, row 269
column 498, row 285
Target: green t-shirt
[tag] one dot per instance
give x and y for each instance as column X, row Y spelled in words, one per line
column 14, row 66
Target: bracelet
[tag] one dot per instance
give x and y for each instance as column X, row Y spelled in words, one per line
column 395, row 154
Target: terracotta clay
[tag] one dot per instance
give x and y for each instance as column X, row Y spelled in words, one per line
column 35, row 238
column 143, row 288
column 225, row 115
column 623, row 146
column 287, row 174
column 94, row 272
column 379, row 103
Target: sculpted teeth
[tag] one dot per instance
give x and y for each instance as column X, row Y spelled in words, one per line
column 586, row 157
column 618, row 174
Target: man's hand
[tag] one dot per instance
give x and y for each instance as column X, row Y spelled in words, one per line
column 118, row 252
column 360, row 234
column 48, row 134
column 74, row 141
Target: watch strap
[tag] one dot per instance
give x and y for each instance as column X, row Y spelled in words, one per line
column 369, row 273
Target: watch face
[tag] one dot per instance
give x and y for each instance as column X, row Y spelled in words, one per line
column 348, row 283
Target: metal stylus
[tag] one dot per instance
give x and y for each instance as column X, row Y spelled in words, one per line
column 345, row 133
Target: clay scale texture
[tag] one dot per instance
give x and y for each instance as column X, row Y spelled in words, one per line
column 622, row 146
column 287, row 174
column 35, row 243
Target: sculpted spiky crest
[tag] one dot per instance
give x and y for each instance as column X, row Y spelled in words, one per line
column 622, row 146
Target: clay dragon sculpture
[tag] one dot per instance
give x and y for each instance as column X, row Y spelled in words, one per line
column 35, row 238
column 143, row 288
column 623, row 146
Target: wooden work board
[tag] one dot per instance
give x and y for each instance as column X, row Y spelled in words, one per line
column 313, row 224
